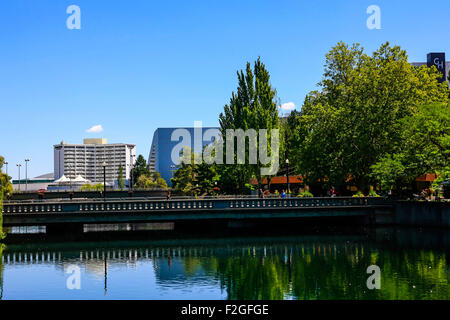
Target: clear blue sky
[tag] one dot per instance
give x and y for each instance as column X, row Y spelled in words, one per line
column 138, row 65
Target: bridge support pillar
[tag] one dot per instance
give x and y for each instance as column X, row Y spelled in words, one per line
column 370, row 218
column 64, row 228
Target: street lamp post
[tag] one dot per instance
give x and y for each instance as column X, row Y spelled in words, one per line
column 287, row 175
column 104, row 180
column 6, row 164
column 26, row 174
column 106, row 275
column 18, row 166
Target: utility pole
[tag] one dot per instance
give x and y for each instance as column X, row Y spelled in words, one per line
column 287, row 176
column 26, row 174
column 18, row 166
column 104, row 180
column 106, row 275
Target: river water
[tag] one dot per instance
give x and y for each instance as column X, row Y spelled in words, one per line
column 330, row 264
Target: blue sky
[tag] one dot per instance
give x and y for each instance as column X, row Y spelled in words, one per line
column 135, row 66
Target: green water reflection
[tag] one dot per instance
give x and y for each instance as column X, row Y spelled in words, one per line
column 1, row 270
column 325, row 272
column 413, row 266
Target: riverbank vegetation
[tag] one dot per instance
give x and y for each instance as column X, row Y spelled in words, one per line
column 143, row 178
column 92, row 187
column 5, row 189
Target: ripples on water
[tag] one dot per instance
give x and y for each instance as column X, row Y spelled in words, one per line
column 414, row 265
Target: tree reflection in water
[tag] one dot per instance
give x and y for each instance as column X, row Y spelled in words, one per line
column 2, row 247
column 326, row 271
column 413, row 266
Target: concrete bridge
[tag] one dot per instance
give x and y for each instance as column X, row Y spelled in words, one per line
column 66, row 215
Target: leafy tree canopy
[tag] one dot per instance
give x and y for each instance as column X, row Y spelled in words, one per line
column 424, row 148
column 253, row 106
column 140, row 168
column 356, row 118
column 151, row 180
column 196, row 179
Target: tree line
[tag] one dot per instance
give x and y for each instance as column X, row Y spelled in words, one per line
column 375, row 122
column 141, row 178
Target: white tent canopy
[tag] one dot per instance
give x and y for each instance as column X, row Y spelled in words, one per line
column 80, row 179
column 63, row 179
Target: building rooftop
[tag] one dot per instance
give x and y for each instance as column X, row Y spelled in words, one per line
column 47, row 176
column 95, row 141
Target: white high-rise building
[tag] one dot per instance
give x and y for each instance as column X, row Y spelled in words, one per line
column 72, row 160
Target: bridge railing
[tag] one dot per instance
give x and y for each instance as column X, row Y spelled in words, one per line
column 187, row 198
column 146, row 205
column 65, row 200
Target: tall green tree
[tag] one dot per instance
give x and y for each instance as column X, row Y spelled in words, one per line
column 355, row 119
column 288, row 126
column 253, row 106
column 140, row 168
column 120, row 179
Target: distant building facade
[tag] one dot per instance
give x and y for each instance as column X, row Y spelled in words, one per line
column 437, row 59
column 165, row 140
column 33, row 184
column 85, row 160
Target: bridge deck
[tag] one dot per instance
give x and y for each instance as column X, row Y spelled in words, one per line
column 145, row 210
